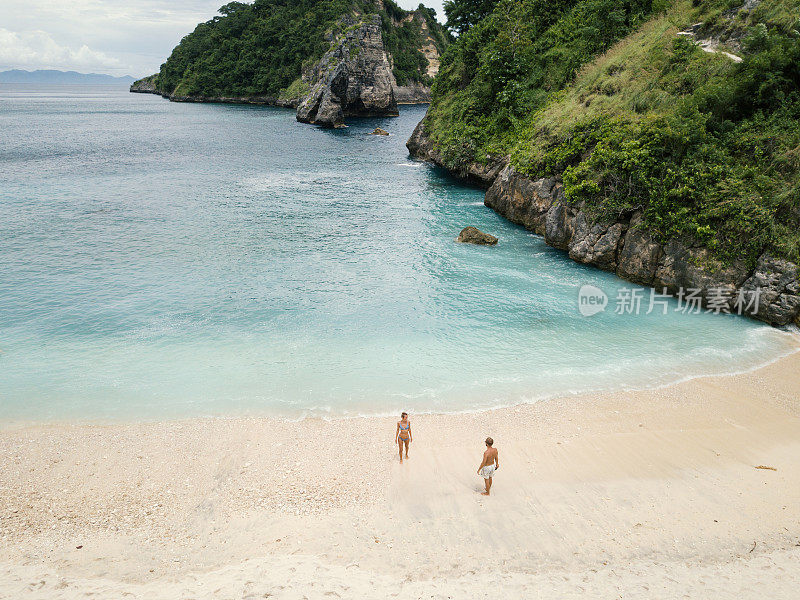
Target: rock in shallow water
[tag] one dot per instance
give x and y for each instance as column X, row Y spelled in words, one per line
column 379, row 131
column 472, row 235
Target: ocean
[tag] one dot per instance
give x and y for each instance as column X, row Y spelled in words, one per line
column 164, row 260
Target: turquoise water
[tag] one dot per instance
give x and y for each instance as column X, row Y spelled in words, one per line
column 170, row 260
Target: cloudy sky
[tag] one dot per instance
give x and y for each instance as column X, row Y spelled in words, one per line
column 118, row 37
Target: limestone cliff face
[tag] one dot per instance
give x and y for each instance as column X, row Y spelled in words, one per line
column 413, row 93
column 419, row 93
column 354, row 78
column 625, row 247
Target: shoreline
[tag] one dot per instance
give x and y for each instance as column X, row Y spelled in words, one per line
column 629, row 251
column 615, row 493
column 6, row 424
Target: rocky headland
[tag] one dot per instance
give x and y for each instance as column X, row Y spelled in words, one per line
column 661, row 147
column 146, row 85
column 624, row 246
column 357, row 76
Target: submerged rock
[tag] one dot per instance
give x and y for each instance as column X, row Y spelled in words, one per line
column 472, row 235
column 379, row 131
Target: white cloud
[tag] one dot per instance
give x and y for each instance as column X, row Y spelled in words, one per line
column 117, row 37
column 437, row 5
column 38, row 50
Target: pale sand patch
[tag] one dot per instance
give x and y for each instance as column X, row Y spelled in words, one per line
column 648, row 494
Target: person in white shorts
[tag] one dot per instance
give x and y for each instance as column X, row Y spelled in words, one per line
column 489, row 465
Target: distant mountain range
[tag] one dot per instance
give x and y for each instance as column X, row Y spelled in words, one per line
column 51, row 76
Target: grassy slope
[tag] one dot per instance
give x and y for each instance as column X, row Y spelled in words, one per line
column 507, row 66
column 709, row 148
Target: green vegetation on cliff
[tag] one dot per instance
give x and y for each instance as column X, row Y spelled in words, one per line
column 634, row 116
column 259, row 49
column 403, row 37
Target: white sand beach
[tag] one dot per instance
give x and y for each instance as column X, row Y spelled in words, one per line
column 691, row 490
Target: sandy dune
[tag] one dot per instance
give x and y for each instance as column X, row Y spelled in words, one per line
column 647, row 494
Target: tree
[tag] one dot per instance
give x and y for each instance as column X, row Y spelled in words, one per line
column 463, row 14
column 232, row 7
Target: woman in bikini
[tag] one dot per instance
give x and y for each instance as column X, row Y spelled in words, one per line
column 403, row 434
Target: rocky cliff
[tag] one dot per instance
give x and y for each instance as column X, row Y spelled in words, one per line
column 329, row 59
column 354, row 78
column 625, row 247
column 420, row 145
column 416, row 92
column 413, row 93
